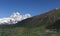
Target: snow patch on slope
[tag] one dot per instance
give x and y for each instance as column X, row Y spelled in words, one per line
column 14, row 18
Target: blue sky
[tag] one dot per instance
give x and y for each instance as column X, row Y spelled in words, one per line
column 34, row 7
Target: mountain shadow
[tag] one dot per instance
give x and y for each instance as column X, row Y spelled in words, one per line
column 55, row 25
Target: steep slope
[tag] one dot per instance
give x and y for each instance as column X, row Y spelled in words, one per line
column 44, row 19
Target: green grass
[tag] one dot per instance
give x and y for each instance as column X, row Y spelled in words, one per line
column 21, row 31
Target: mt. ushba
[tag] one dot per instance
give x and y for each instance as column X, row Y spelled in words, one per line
column 14, row 18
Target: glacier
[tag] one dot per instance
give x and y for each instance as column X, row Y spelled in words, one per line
column 14, row 18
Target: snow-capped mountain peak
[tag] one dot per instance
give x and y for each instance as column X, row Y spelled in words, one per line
column 15, row 14
column 14, row 18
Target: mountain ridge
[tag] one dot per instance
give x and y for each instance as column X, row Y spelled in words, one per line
column 47, row 18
